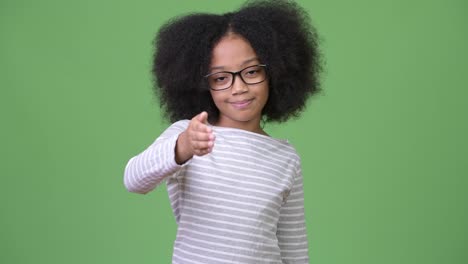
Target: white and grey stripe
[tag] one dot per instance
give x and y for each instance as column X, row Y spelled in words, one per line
column 242, row 203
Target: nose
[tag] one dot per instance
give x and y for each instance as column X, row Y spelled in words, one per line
column 238, row 85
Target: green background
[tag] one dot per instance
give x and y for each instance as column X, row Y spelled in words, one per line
column 384, row 146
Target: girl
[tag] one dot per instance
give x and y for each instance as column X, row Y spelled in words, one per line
column 236, row 193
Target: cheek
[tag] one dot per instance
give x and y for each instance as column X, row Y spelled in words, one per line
column 214, row 97
column 217, row 98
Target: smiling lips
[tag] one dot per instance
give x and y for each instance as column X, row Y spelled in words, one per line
column 241, row 104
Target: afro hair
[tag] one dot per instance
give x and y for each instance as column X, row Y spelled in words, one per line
column 280, row 34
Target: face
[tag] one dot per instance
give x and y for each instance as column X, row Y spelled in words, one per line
column 241, row 105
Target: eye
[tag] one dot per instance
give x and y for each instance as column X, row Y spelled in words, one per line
column 252, row 72
column 220, row 78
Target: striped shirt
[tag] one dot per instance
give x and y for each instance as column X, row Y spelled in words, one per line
column 242, row 203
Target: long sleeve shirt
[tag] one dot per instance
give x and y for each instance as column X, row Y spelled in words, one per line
column 241, row 203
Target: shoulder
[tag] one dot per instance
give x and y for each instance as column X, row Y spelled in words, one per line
column 181, row 124
column 293, row 154
column 175, row 129
column 289, row 148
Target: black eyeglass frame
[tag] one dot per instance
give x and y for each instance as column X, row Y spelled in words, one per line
column 237, row 73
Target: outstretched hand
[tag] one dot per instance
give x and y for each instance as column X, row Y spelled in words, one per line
column 197, row 139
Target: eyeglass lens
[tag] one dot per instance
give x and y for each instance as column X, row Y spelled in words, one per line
column 250, row 75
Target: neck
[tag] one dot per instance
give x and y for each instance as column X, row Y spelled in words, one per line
column 251, row 125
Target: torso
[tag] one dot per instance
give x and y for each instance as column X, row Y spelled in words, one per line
column 227, row 203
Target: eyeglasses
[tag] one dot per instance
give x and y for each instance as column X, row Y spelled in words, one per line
column 224, row 80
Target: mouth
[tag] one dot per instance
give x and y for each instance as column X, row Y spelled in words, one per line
column 241, row 104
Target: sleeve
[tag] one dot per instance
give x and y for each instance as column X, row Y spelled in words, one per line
column 291, row 232
column 148, row 169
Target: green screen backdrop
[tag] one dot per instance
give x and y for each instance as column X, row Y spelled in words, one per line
column 384, row 146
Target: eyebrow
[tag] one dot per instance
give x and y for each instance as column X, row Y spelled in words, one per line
column 243, row 64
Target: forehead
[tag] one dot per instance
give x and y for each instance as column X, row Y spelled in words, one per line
column 232, row 52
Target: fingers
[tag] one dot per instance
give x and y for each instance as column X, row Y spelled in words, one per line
column 199, row 128
column 200, row 135
column 200, row 123
column 203, row 117
column 200, row 151
column 197, row 136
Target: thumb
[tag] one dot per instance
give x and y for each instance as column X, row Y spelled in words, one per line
column 203, row 117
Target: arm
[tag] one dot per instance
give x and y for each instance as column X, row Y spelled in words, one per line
column 174, row 147
column 291, row 233
column 148, row 169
